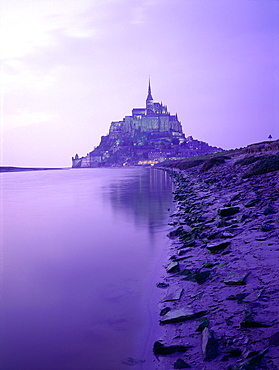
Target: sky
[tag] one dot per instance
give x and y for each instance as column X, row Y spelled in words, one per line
column 70, row 68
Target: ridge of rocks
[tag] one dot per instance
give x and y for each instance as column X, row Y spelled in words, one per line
column 221, row 280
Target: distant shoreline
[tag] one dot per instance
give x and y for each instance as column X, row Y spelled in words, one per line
column 19, row 169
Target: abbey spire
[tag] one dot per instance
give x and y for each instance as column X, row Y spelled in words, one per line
column 149, row 100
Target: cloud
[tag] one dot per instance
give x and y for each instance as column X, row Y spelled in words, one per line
column 26, row 24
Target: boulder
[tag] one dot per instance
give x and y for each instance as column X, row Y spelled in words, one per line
column 228, row 211
column 209, row 345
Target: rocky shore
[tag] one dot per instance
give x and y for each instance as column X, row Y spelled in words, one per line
column 220, row 307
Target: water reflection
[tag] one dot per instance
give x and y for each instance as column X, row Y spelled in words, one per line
column 145, row 197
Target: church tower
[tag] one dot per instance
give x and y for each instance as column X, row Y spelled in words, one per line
column 149, row 101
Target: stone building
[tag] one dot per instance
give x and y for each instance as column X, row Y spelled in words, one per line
column 149, row 134
column 153, row 118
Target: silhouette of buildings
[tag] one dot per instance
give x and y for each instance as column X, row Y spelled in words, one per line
column 148, row 136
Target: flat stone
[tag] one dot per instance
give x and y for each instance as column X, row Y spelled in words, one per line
column 162, row 350
column 251, row 203
column 236, row 278
column 261, row 239
column 227, row 235
column 173, row 267
column 216, row 247
column 238, row 297
column 180, row 315
column 174, row 296
column 253, row 324
column 253, row 361
column 228, row 211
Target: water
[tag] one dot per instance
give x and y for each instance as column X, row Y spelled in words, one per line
column 81, row 252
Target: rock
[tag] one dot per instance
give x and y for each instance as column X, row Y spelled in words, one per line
column 274, row 339
column 253, row 361
column 214, row 235
column 189, row 243
column 195, row 275
column 180, row 231
column 208, row 265
column 201, row 276
column 162, row 285
column 242, row 218
column 251, row 203
column 209, row 345
column 180, row 315
column 223, row 223
column 217, row 247
column 174, row 296
column 173, row 267
column 266, row 227
column 204, row 323
column 233, row 352
column 182, row 251
column 253, row 324
column 162, row 350
column 228, row 211
column 181, row 364
column 238, row 297
column 164, row 311
column 175, row 233
column 236, row 278
column 226, row 235
column 268, row 211
column 132, row 361
column 213, row 162
column 261, row 238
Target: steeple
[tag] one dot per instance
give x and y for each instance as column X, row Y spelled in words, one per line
column 149, row 100
column 149, row 95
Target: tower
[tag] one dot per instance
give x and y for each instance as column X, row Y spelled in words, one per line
column 149, row 101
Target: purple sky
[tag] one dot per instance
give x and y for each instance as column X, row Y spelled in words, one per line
column 69, row 68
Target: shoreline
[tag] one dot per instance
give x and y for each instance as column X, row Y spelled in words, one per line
column 221, row 304
column 21, row 169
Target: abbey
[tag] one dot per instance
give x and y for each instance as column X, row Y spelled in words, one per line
column 153, row 118
column 149, row 135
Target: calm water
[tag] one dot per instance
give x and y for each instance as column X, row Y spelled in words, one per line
column 81, row 252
